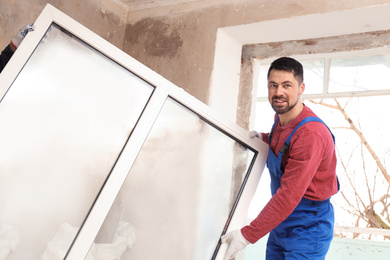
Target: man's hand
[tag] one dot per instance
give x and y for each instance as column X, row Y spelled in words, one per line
column 18, row 38
column 235, row 241
column 253, row 134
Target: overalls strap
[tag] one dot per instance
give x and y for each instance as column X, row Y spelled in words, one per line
column 286, row 144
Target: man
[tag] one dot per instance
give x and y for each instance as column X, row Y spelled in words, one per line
column 7, row 53
column 302, row 165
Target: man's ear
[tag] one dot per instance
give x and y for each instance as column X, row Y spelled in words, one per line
column 302, row 88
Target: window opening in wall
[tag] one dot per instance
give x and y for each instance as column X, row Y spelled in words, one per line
column 351, row 93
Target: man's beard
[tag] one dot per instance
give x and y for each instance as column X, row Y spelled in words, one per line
column 281, row 110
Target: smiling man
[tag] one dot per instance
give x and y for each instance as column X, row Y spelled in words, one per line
column 302, row 166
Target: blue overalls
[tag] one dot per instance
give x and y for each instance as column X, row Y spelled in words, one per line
column 308, row 231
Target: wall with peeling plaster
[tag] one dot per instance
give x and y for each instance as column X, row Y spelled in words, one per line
column 177, row 41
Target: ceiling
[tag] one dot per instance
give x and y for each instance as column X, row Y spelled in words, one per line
column 144, row 4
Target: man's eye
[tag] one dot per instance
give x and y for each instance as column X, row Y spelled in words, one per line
column 287, row 86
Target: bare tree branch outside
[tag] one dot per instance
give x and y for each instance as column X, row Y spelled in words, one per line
column 362, row 148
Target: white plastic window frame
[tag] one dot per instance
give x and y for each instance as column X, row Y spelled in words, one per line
column 163, row 90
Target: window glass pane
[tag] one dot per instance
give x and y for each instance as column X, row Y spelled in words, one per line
column 63, row 124
column 360, row 73
column 177, row 197
column 313, row 76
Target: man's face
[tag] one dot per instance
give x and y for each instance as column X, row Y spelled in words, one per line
column 284, row 91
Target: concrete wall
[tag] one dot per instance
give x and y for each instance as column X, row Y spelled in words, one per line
column 177, row 41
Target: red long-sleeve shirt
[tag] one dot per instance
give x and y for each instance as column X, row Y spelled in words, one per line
column 309, row 171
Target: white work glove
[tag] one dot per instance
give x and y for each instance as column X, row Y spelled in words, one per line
column 18, row 38
column 253, row 134
column 235, row 241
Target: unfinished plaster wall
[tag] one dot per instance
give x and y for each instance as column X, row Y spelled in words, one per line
column 107, row 18
column 174, row 38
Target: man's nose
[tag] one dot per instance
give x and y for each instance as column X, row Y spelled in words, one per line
column 279, row 91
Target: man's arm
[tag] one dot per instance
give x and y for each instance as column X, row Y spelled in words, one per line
column 305, row 158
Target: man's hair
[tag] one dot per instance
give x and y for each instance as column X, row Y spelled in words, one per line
column 288, row 64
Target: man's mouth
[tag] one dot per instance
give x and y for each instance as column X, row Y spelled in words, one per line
column 279, row 101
